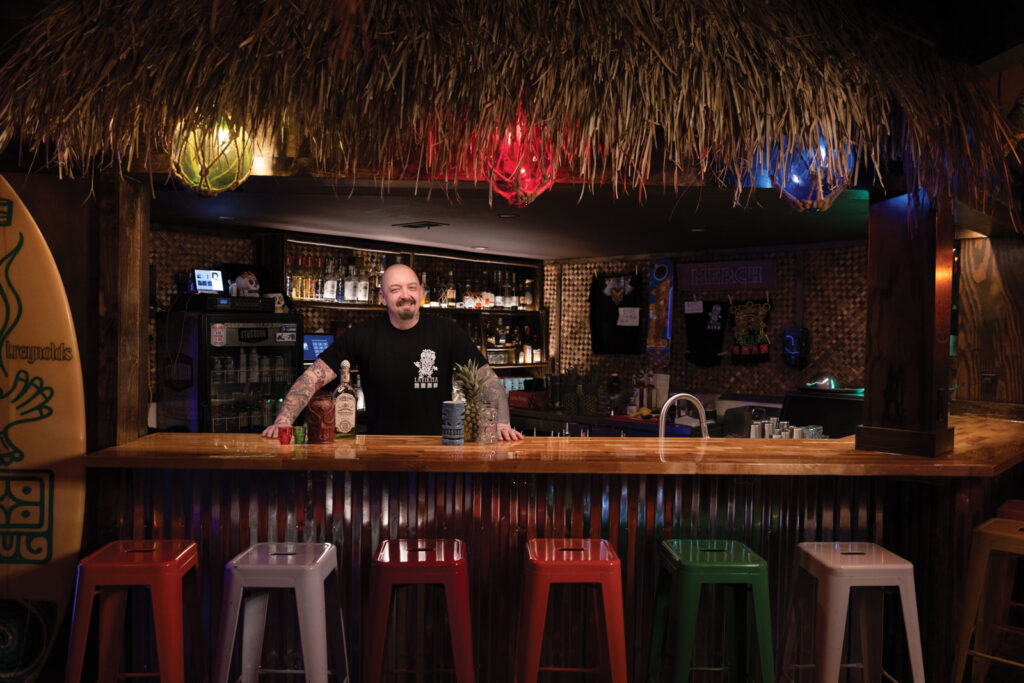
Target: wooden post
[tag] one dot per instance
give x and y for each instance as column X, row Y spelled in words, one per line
column 910, row 266
column 122, row 391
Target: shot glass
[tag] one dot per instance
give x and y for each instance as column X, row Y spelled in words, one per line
column 300, row 434
column 284, row 435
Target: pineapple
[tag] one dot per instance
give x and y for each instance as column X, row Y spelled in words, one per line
column 467, row 382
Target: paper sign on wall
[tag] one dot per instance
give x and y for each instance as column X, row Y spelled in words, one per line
column 629, row 316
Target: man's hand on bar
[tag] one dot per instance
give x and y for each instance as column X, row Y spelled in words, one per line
column 506, row 433
column 271, row 431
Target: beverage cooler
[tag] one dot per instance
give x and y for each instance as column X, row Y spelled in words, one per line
column 225, row 372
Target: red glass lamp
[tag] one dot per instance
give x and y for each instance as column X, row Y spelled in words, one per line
column 522, row 162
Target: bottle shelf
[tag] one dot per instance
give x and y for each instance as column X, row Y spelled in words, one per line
column 314, row 303
column 517, row 366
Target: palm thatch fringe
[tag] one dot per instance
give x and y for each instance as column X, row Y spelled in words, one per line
column 693, row 86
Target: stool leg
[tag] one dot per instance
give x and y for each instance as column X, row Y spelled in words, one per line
column 614, row 624
column 993, row 612
column 975, row 582
column 456, row 593
column 112, row 602
column 763, row 623
column 870, row 603
column 309, row 595
column 81, row 615
column 336, row 627
column 378, row 611
column 833, row 602
column 908, row 598
column 228, row 625
column 165, row 594
column 687, row 604
column 254, row 627
column 660, row 623
column 733, row 600
column 531, row 627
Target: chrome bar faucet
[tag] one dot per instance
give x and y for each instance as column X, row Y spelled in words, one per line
column 700, row 412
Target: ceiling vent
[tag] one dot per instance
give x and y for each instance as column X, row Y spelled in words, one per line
column 419, row 225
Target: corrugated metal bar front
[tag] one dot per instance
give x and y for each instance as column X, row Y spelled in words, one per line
column 225, row 511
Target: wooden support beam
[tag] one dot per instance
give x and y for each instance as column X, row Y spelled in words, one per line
column 910, row 266
column 122, row 380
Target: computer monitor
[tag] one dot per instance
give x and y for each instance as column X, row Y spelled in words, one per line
column 314, row 344
column 209, row 281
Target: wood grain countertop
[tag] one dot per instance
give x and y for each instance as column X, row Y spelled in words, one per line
column 984, row 447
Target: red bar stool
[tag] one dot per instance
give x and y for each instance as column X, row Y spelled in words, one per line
column 107, row 574
column 426, row 561
column 569, row 560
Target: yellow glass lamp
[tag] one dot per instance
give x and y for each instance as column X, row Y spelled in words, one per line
column 212, row 160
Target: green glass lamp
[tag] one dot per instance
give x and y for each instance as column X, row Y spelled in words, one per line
column 212, row 160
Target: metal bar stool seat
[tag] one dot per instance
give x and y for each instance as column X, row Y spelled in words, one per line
column 994, row 539
column 308, row 569
column 570, row 560
column 838, row 567
column 107, row 574
column 423, row 561
column 688, row 564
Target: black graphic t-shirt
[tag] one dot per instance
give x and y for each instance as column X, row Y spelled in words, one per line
column 406, row 374
column 618, row 313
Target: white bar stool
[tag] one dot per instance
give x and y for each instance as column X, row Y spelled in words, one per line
column 838, row 567
column 311, row 570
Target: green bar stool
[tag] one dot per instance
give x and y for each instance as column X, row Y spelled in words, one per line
column 686, row 565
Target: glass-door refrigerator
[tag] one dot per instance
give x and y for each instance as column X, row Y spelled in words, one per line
column 225, row 372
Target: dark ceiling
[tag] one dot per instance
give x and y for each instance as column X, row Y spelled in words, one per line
column 560, row 224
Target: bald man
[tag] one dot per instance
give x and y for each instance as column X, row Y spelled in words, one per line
column 405, row 362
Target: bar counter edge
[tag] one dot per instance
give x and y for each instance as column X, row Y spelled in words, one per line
column 984, row 447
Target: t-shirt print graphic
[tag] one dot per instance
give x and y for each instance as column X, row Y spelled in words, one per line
column 427, row 367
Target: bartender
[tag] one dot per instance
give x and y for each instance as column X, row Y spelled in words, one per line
column 405, row 360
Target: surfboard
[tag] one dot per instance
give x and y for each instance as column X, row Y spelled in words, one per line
column 42, row 441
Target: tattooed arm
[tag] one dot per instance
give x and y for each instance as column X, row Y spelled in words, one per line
column 492, row 386
column 316, row 375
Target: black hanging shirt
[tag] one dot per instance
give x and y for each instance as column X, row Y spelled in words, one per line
column 618, row 311
column 406, row 374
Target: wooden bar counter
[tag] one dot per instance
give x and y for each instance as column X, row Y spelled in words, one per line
column 984, row 448
column 227, row 491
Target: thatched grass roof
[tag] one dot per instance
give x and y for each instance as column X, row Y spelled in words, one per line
column 402, row 87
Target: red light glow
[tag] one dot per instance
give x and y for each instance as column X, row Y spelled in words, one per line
column 523, row 164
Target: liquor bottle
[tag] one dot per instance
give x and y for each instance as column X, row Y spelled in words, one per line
column 512, row 296
column 527, row 300
column 296, row 292
column 499, row 291
column 345, row 404
column 508, row 294
column 468, row 296
column 425, row 296
column 449, row 290
column 288, row 275
column 527, row 345
column 490, row 334
column 340, row 275
column 357, row 384
column 351, row 284
column 486, row 292
column 331, row 282
column 363, row 287
column 318, row 282
column 501, row 333
column 302, row 278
